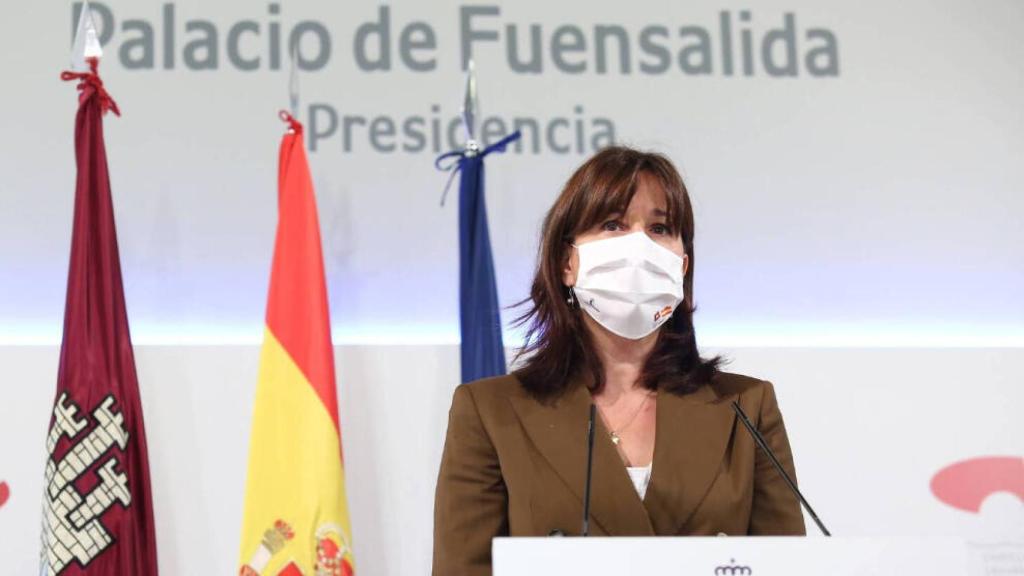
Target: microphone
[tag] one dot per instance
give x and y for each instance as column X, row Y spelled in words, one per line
column 771, row 455
column 590, row 468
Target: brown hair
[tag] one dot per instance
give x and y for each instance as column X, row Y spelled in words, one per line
column 558, row 347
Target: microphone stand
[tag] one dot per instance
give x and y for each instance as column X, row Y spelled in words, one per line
column 590, row 468
column 778, row 466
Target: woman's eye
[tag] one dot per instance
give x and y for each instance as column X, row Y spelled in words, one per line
column 659, row 229
column 610, row 226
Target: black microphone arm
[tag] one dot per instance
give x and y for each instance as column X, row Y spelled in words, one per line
column 590, row 468
column 771, row 455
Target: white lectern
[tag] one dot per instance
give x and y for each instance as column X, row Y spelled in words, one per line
column 729, row 556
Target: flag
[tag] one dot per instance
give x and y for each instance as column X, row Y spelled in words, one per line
column 482, row 350
column 97, row 510
column 296, row 515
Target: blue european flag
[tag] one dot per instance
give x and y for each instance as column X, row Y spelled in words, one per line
column 482, row 351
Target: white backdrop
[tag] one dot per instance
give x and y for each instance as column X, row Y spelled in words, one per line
column 879, row 205
column 858, row 234
column 869, row 429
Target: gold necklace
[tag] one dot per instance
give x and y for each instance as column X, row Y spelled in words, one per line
column 615, row 433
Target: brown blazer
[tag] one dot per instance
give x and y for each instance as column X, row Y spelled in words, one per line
column 515, row 467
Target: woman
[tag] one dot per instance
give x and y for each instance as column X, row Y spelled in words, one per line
column 611, row 324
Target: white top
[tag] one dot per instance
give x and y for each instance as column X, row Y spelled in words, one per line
column 641, row 477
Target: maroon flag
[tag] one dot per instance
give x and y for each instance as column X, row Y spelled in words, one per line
column 97, row 511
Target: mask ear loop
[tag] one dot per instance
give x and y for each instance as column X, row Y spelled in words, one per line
column 571, row 299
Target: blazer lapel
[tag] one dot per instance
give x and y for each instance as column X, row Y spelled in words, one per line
column 692, row 433
column 559, row 431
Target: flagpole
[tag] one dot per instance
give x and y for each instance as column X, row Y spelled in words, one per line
column 293, row 81
column 86, row 45
column 470, row 111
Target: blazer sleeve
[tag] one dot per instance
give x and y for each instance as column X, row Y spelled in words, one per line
column 776, row 510
column 471, row 502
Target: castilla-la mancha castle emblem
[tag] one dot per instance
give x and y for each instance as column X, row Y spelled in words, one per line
column 73, row 530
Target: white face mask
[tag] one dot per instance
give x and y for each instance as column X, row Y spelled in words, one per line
column 629, row 284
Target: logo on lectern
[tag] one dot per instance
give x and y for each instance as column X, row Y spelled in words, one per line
column 732, row 569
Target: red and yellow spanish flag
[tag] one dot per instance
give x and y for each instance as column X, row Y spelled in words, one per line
column 296, row 514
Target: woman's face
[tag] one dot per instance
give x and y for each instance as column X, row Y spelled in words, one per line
column 646, row 213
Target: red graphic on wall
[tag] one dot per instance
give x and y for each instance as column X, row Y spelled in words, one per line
column 965, row 484
column 5, row 493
